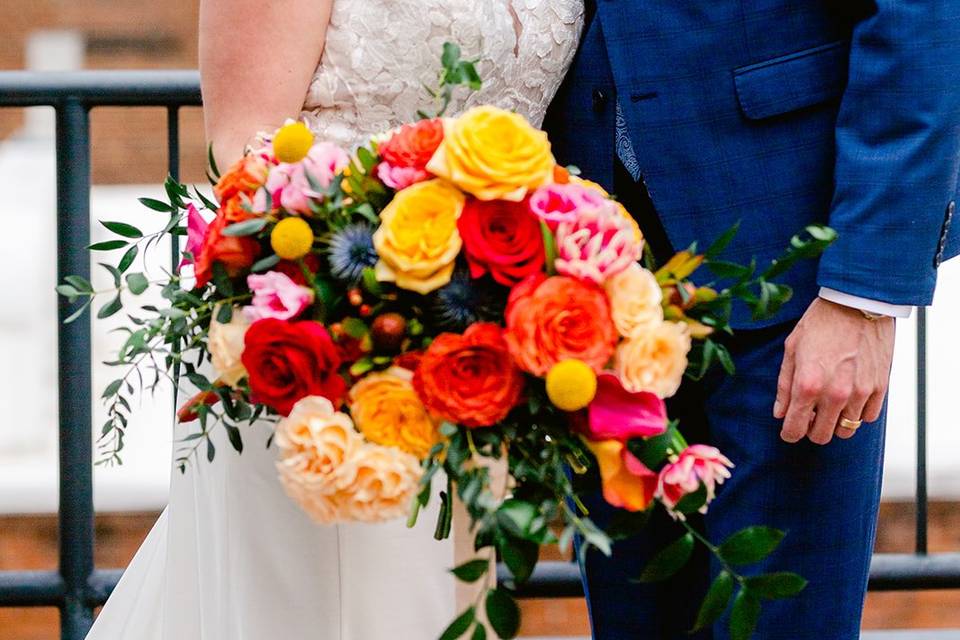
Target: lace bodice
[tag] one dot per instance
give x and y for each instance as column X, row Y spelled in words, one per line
column 379, row 54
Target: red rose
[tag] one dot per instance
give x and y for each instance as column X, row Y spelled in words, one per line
column 406, row 154
column 294, row 271
column 502, row 238
column 236, row 254
column 469, row 379
column 287, row 361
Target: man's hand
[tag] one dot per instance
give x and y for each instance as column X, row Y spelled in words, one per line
column 836, row 365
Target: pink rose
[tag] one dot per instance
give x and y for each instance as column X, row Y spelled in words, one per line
column 618, row 414
column 290, row 185
column 196, row 232
column 600, row 243
column 558, row 203
column 275, row 295
column 682, row 476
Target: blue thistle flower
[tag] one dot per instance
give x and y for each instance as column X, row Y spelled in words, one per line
column 351, row 251
column 464, row 301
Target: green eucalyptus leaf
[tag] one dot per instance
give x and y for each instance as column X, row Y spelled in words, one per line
column 111, row 389
column 669, row 560
column 67, row 291
column 137, row 282
column 122, row 229
column 156, row 205
column 110, row 308
column 211, row 450
column 236, row 440
column 744, row 615
column 108, row 245
column 775, row 586
column 459, row 626
column 472, row 570
column 224, row 313
column 245, row 228
column 265, row 263
column 503, row 613
column 716, row 601
column 750, row 545
column 79, row 283
column 128, row 258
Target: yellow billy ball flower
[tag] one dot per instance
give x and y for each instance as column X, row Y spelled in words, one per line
column 292, row 238
column 292, row 142
column 571, row 385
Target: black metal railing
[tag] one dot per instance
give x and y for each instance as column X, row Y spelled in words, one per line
column 78, row 586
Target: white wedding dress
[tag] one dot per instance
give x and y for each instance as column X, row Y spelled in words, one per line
column 232, row 558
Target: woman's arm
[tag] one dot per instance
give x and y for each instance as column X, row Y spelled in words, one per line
column 256, row 62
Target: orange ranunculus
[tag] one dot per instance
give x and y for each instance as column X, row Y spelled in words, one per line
column 236, row 254
column 387, row 410
column 627, row 482
column 469, row 379
column 559, row 318
column 236, row 187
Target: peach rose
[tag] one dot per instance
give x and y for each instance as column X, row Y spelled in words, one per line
column 493, row 154
column 635, row 300
column 388, row 411
column 225, row 344
column 417, row 240
column 382, row 482
column 654, row 360
column 315, row 442
column 558, row 318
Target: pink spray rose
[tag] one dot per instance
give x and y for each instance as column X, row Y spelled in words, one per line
column 275, row 295
column 696, row 464
column 196, row 231
column 556, row 203
column 618, row 414
column 289, row 183
column 598, row 244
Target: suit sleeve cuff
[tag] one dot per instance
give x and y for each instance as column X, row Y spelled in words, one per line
column 865, row 304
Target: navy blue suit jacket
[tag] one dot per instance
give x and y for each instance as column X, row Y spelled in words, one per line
column 779, row 113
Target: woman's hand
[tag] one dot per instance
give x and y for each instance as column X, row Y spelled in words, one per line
column 256, row 62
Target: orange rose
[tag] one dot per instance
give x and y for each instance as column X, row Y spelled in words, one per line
column 469, row 379
column 559, row 318
column 236, row 187
column 236, row 254
column 406, row 153
column 387, row 410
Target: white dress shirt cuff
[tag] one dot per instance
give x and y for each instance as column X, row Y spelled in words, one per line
column 866, row 304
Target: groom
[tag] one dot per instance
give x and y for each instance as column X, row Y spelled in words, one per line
column 778, row 113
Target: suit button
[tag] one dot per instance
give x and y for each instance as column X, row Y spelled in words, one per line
column 599, row 100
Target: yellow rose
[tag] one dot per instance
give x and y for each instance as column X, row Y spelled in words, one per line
column 388, row 411
column 225, row 343
column 417, row 240
column 635, row 300
column 493, row 154
column 383, row 482
column 315, row 443
column 654, row 360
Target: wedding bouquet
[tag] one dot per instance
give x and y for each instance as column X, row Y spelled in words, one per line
column 440, row 299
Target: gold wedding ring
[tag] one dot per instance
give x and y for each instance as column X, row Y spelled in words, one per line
column 853, row 425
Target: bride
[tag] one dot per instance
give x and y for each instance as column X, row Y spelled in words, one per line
column 232, row 558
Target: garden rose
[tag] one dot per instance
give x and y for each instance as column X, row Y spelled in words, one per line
column 501, row 238
column 469, row 379
column 558, row 203
column 598, row 244
column 236, row 188
column 635, row 300
column 493, row 154
column 388, row 411
column 682, row 476
column 558, row 318
column 655, row 359
column 275, row 295
column 287, row 361
column 405, row 154
column 235, row 254
column 225, row 343
column 627, row 483
column 382, row 482
column 417, row 240
column 618, row 414
column 293, row 269
column 291, row 185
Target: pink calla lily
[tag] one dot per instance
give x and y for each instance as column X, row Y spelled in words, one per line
column 618, row 414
